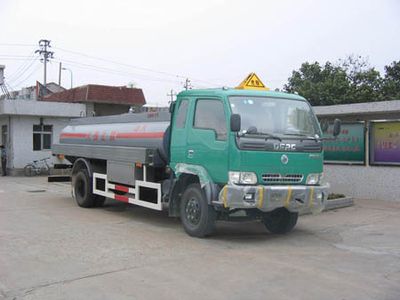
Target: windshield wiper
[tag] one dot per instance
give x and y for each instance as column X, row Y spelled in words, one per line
column 305, row 136
column 264, row 134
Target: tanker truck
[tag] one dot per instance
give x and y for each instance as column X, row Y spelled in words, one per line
column 218, row 154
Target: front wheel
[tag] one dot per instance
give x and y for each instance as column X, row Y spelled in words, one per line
column 280, row 220
column 198, row 218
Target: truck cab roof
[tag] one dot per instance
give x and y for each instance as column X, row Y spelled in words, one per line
column 237, row 92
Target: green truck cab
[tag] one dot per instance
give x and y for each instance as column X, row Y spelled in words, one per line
column 259, row 152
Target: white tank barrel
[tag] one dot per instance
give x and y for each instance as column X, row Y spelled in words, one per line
column 145, row 130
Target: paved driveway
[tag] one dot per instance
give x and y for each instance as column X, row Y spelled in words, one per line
column 52, row 249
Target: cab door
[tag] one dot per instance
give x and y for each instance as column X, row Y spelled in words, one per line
column 207, row 143
column 178, row 132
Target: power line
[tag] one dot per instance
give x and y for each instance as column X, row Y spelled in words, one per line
column 107, row 60
column 19, row 71
column 9, row 86
column 45, row 44
column 137, row 67
column 29, row 61
column 11, row 58
column 120, row 63
column 16, row 45
column 113, row 71
column 27, row 77
column 18, row 74
column 14, row 56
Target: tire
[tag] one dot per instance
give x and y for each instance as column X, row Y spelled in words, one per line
column 83, row 189
column 198, row 218
column 280, row 220
column 37, row 171
column 29, row 170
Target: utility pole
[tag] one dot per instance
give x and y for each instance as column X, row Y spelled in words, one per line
column 3, row 86
column 59, row 74
column 70, row 72
column 187, row 85
column 172, row 94
column 44, row 44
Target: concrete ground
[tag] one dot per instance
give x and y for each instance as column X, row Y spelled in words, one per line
column 52, row 249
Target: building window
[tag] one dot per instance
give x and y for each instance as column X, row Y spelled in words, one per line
column 42, row 136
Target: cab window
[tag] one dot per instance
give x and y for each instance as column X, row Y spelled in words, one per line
column 210, row 114
column 181, row 115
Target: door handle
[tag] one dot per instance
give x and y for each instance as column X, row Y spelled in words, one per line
column 190, row 153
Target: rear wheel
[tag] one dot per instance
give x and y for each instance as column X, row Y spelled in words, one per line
column 29, row 170
column 280, row 220
column 198, row 218
column 45, row 170
column 83, row 189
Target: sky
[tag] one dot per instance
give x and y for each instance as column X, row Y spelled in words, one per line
column 156, row 45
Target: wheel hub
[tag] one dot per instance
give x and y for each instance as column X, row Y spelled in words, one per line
column 193, row 211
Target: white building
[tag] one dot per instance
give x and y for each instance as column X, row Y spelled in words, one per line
column 28, row 128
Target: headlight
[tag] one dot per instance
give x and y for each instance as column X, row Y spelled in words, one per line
column 242, row 178
column 314, row 178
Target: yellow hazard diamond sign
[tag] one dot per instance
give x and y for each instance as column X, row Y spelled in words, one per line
column 252, row 82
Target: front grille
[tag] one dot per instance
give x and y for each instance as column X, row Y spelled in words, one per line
column 278, row 178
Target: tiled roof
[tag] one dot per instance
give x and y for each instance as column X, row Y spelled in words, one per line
column 99, row 94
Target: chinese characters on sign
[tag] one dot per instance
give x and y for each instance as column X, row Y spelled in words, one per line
column 348, row 147
column 385, row 143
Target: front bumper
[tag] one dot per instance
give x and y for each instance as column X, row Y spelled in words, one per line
column 296, row 198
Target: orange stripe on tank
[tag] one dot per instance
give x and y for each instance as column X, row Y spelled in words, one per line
column 114, row 135
column 139, row 135
column 76, row 135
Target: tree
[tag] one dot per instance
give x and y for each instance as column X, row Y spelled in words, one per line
column 320, row 85
column 348, row 81
column 391, row 84
column 365, row 81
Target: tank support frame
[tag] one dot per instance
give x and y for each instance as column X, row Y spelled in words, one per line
column 102, row 187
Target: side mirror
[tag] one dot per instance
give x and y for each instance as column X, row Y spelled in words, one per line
column 235, row 122
column 172, row 107
column 336, row 127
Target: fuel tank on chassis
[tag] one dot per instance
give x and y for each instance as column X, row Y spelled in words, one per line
column 145, row 130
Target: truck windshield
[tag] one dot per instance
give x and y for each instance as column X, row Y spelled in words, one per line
column 277, row 116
